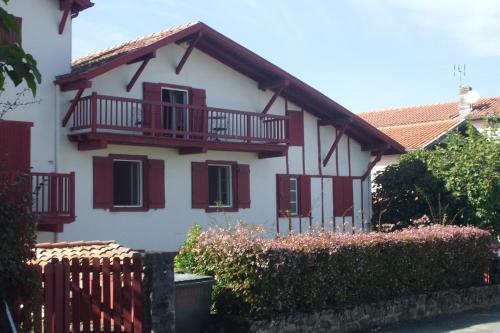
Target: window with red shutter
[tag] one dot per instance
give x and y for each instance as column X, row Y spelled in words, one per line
column 12, row 37
column 283, row 194
column 198, row 100
column 156, row 183
column 199, row 184
column 305, row 195
column 128, row 183
column 15, row 146
column 151, row 92
column 103, row 182
column 342, row 196
column 243, row 178
column 295, row 128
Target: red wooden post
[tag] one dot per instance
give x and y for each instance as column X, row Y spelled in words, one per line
column 106, row 290
column 85, row 299
column 38, row 310
column 117, row 288
column 67, row 282
column 127, row 296
column 137, row 292
column 76, row 293
column 249, row 128
column 93, row 108
column 49, row 297
column 59, row 297
column 71, row 204
column 96, row 294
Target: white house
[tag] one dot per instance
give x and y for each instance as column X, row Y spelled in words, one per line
column 423, row 126
column 141, row 141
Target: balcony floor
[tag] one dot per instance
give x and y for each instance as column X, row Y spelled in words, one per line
column 93, row 141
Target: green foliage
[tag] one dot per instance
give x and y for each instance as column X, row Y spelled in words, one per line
column 17, row 237
column 263, row 277
column 15, row 63
column 184, row 261
column 457, row 182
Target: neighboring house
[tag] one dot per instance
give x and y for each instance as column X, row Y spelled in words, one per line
column 181, row 127
column 423, row 126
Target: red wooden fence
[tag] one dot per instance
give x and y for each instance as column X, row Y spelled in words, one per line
column 90, row 295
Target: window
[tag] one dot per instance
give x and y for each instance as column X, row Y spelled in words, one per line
column 175, row 117
column 127, row 183
column 294, row 198
column 219, row 186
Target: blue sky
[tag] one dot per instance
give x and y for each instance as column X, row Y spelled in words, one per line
column 364, row 54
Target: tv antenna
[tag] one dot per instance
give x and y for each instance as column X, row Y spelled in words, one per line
column 459, row 71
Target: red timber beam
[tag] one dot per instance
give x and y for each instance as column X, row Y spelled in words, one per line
column 188, row 52
column 377, row 159
column 72, row 107
column 278, row 87
column 65, row 6
column 145, row 61
column 336, row 141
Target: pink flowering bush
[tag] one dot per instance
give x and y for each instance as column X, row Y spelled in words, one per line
column 260, row 277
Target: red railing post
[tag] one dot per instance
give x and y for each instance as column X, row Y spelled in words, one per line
column 249, row 128
column 93, row 108
column 205, row 123
column 71, row 189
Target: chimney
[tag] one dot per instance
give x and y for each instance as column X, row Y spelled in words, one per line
column 464, row 108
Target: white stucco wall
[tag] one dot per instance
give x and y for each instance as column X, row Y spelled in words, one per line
column 164, row 229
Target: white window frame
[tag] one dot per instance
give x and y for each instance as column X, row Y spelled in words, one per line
column 174, row 114
column 140, row 185
column 296, row 195
column 230, row 185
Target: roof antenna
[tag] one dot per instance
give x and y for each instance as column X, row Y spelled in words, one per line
column 459, row 70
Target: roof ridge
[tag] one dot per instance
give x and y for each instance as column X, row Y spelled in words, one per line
column 421, row 105
column 78, row 61
column 72, row 244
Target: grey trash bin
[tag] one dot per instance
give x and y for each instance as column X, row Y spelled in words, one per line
column 192, row 302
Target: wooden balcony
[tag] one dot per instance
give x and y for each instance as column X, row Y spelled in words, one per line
column 53, row 199
column 99, row 120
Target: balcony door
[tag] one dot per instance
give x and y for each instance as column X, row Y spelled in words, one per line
column 175, row 116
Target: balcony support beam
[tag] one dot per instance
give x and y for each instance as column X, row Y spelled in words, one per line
column 188, row 52
column 335, row 144
column 76, row 85
column 138, row 73
column 277, row 92
column 65, row 6
column 72, row 107
column 372, row 164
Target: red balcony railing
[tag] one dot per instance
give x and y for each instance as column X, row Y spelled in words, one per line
column 118, row 115
column 53, row 197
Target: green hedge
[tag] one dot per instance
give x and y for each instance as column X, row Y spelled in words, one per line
column 260, row 277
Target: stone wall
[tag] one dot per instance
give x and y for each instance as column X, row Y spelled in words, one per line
column 368, row 316
column 158, row 284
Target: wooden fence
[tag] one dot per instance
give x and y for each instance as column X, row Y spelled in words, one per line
column 89, row 295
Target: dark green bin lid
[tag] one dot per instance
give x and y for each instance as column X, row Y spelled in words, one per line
column 187, row 278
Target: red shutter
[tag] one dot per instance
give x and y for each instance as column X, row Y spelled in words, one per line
column 15, row 146
column 152, row 93
column 198, row 99
column 283, row 194
column 243, row 178
column 348, row 196
column 199, row 185
column 295, row 128
column 156, row 183
column 342, row 196
column 103, row 182
column 305, row 195
column 13, row 37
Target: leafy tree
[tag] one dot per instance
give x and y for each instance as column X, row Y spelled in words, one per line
column 457, row 182
column 15, row 63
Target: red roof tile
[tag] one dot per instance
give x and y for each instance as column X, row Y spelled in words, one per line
column 419, row 135
column 81, row 249
column 418, row 126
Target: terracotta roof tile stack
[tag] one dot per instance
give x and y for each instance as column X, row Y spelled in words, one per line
column 418, row 126
column 81, row 249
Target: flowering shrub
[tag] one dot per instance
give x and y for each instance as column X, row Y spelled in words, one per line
column 258, row 276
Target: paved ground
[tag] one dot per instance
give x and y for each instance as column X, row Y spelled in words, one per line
column 483, row 321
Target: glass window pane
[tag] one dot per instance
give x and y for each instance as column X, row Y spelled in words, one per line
column 219, row 185
column 127, row 183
